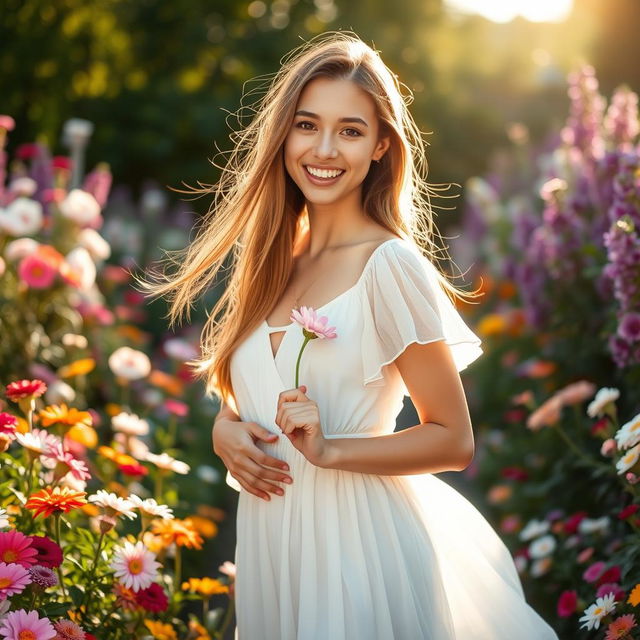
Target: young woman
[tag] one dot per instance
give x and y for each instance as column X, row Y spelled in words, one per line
column 343, row 531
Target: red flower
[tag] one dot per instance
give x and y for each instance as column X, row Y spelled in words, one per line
column 515, row 473
column 176, row 407
column 8, row 423
column 153, row 598
column 600, row 425
column 61, row 162
column 610, row 575
column 49, row 553
column 135, row 470
column 56, row 500
column 567, row 604
column 625, row 513
column 27, row 151
column 25, row 389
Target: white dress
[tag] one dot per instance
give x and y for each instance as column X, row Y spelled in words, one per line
column 357, row 556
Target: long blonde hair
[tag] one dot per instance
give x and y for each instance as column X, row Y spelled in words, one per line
column 258, row 214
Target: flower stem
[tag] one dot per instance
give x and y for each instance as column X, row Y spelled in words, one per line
column 227, row 619
column 304, row 344
column 56, row 521
column 583, row 456
column 177, row 570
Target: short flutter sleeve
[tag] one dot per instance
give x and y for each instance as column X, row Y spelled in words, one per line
column 403, row 303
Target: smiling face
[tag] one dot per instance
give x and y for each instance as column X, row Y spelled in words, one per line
column 333, row 139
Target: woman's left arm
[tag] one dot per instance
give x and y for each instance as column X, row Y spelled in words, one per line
column 443, row 441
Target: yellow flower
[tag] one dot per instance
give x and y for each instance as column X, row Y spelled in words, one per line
column 205, row 586
column 61, row 414
column 154, row 543
column 493, row 324
column 204, row 526
column 108, row 453
column 77, row 368
column 161, row 631
column 634, row 596
column 84, row 435
column 22, row 426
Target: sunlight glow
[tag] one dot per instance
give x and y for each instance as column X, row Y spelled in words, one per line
column 507, row 10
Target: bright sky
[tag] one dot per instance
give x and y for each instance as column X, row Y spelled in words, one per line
column 506, row 10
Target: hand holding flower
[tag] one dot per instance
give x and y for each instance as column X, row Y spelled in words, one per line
column 299, row 419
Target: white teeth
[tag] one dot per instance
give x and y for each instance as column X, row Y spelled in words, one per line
column 324, row 173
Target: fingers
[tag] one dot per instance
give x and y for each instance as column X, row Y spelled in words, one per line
column 256, row 485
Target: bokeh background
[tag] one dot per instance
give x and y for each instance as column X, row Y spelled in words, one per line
column 529, row 108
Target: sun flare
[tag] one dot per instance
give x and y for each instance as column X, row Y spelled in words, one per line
column 506, row 10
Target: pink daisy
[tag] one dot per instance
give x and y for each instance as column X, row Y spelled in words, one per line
column 8, row 424
column 36, row 272
column 20, row 625
column 16, row 547
column 68, row 462
column 134, row 565
column 67, row 630
column 13, row 579
column 25, row 389
column 315, row 326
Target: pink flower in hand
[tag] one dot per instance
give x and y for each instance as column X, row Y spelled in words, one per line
column 312, row 327
column 308, row 318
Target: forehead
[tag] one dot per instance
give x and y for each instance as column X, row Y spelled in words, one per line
column 336, row 98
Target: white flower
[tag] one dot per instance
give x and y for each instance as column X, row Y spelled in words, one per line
column 136, row 447
column 113, row 504
column 81, row 207
column 79, row 259
column 628, row 434
column 4, row 519
column 130, row 424
column 602, row 399
column 37, row 440
column 23, row 186
column 58, row 392
column 165, row 461
column 75, row 340
column 591, row 525
column 542, row 547
column 129, row 363
column 594, row 614
column 95, row 244
column 23, row 217
column 180, row 349
column 20, row 248
column 540, row 567
column 628, row 460
column 134, row 565
column 151, row 508
column 534, row 529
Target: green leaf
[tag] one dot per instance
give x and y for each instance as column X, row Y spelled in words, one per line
column 76, row 594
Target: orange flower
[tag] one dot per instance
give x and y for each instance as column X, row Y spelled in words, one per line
column 56, row 500
column 154, row 543
column 634, row 596
column 172, row 385
column 180, row 532
column 161, row 631
column 108, row 453
column 493, row 324
column 77, row 368
column 200, row 632
column 205, row 586
column 61, row 414
column 204, row 526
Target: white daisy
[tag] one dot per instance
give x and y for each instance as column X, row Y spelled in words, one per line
column 81, row 207
column 113, row 504
column 602, row 399
column 4, row 519
column 130, row 424
column 151, row 508
column 628, row 459
column 534, row 528
column 165, row 461
column 37, row 440
column 628, row 434
column 542, row 547
column 134, row 565
column 594, row 614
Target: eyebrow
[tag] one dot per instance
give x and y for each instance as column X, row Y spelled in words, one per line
column 309, row 114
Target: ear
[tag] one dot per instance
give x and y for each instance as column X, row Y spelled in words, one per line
column 381, row 148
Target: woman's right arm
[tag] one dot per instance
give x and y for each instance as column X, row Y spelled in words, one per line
column 234, row 442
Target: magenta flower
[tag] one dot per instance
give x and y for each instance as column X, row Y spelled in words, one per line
column 49, row 553
column 16, row 547
column 312, row 327
column 36, row 272
column 567, row 604
column 594, row 571
column 43, row 576
column 13, row 579
column 21, row 624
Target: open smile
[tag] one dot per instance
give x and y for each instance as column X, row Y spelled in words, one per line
column 321, row 176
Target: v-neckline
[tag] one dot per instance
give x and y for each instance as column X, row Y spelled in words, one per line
column 285, row 328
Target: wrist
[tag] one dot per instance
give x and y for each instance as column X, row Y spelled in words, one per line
column 331, row 454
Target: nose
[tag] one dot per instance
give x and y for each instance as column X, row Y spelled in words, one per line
column 325, row 147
